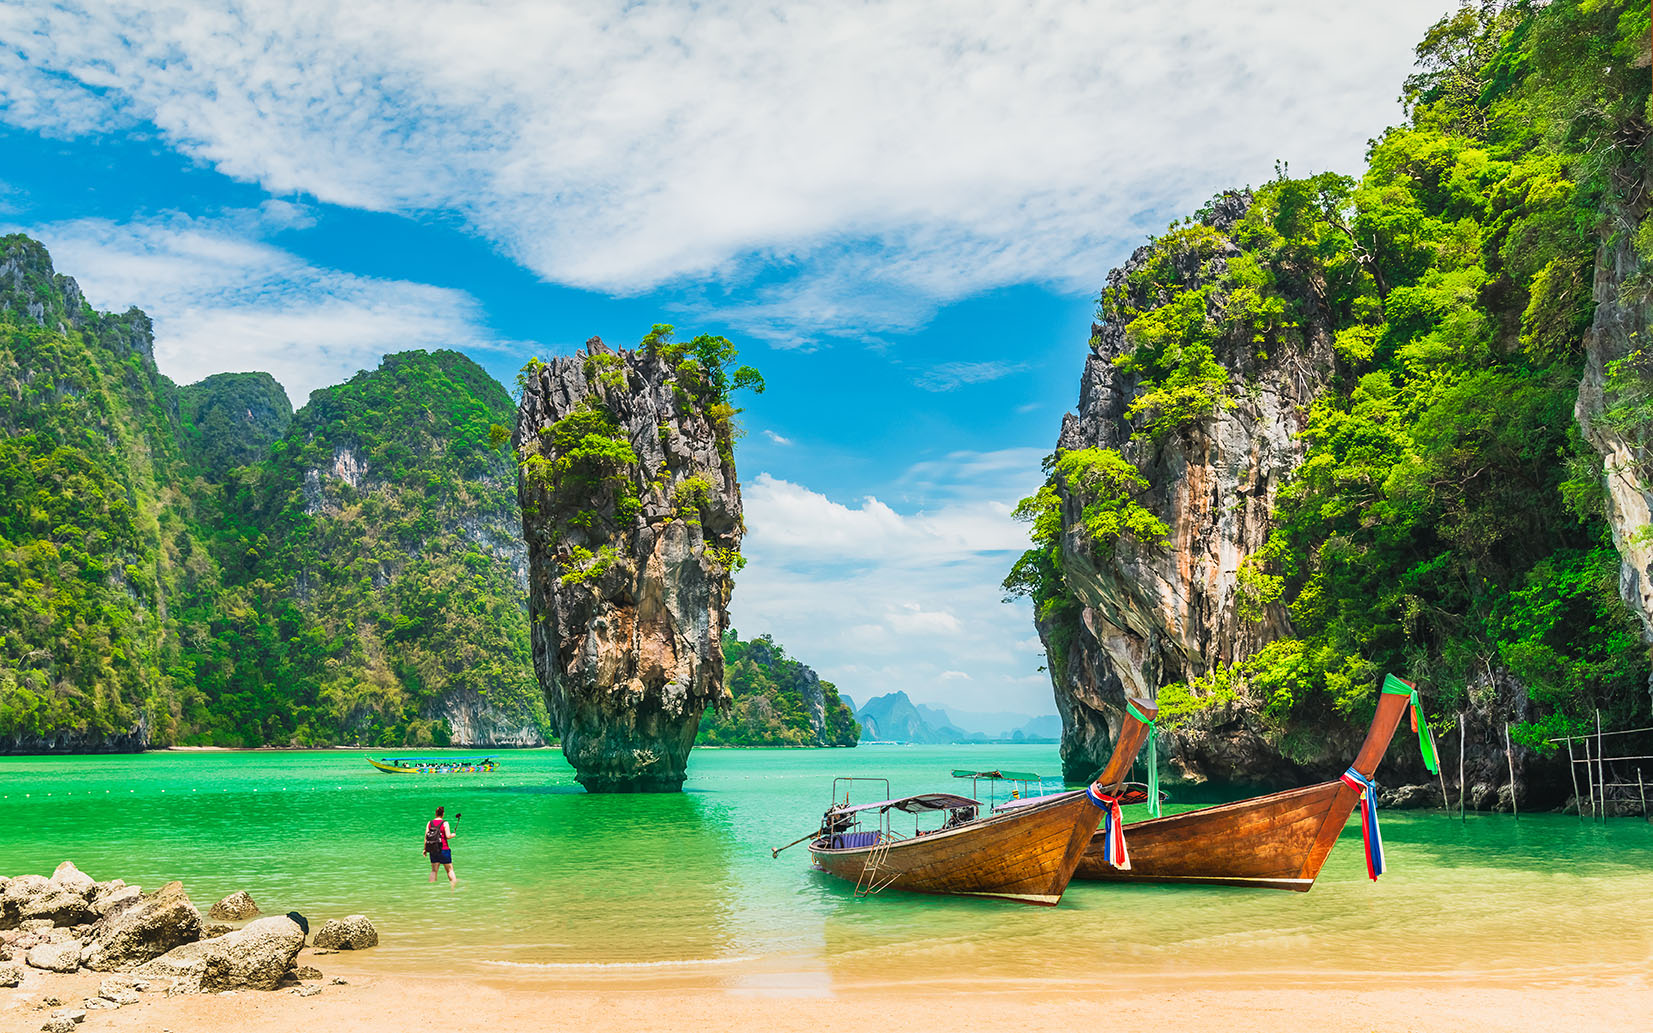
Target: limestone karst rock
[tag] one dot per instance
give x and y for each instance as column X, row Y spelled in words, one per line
column 632, row 515
column 1148, row 615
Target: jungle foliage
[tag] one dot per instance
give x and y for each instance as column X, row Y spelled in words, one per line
column 1448, row 519
column 772, row 701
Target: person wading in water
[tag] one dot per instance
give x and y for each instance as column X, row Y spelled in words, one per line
column 437, row 834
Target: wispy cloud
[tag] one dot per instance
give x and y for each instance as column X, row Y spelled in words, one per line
column 870, row 160
column 880, row 599
column 223, row 299
column 950, row 376
column 776, row 439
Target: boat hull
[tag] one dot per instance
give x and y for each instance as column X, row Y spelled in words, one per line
column 1027, row 854
column 1277, row 841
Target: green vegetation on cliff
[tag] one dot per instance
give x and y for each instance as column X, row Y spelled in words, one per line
column 203, row 562
column 777, row 701
column 1448, row 518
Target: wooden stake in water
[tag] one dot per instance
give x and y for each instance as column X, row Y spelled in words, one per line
column 1440, row 771
column 1572, row 769
column 1509, row 754
column 1601, row 769
column 1461, row 734
column 1589, row 777
column 1643, row 790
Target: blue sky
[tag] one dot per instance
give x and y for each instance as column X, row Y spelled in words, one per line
column 901, row 213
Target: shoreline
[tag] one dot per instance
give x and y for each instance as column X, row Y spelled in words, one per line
column 1468, row 1002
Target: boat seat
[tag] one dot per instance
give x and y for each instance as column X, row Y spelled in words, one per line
column 854, row 840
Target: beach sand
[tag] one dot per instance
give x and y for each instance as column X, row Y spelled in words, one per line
column 382, row 1001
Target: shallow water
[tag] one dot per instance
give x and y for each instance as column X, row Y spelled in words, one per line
column 557, row 885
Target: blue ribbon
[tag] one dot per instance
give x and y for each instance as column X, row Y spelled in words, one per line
column 1368, row 821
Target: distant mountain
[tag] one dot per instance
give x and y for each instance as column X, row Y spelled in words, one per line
column 896, row 718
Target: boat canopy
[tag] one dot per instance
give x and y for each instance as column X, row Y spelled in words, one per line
column 1008, row 776
column 915, row 804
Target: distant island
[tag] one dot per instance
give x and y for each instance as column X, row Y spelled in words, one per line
column 894, row 717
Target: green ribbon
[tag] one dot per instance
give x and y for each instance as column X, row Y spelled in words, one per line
column 1426, row 746
column 1153, row 756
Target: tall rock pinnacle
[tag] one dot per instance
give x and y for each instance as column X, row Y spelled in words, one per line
column 632, row 515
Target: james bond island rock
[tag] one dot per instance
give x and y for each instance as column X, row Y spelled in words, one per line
column 1326, row 431
column 632, row 514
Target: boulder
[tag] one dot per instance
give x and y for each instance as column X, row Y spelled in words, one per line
column 55, row 957
column 74, row 1015
column 70, row 878
column 110, row 897
column 10, row 975
column 353, row 932
column 147, row 929
column 254, row 957
column 236, row 907
column 306, row 972
column 212, row 929
column 19, row 892
column 58, row 1026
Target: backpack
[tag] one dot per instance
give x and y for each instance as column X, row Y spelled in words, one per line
column 434, row 835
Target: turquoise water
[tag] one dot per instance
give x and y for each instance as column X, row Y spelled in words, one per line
column 558, row 884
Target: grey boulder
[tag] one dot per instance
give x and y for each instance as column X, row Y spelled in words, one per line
column 251, row 958
column 18, row 893
column 144, row 930
column 236, row 907
column 351, row 933
column 10, row 975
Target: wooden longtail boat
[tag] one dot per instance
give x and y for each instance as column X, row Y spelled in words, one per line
column 1277, row 841
column 1024, row 850
column 434, row 765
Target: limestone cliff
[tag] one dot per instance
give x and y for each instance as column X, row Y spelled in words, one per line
column 632, row 515
column 1147, row 615
column 1617, row 339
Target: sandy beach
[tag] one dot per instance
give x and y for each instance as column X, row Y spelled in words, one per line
column 377, row 999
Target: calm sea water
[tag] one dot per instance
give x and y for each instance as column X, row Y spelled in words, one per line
column 560, row 885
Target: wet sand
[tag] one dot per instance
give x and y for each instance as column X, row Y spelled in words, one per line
column 383, row 1001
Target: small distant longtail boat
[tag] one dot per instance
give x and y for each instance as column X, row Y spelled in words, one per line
column 1277, row 841
column 1023, row 850
column 434, row 765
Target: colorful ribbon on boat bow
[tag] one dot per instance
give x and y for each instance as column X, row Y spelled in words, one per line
column 1153, row 756
column 1368, row 820
column 1426, row 745
column 1113, row 829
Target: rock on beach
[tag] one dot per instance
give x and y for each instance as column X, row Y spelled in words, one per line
column 252, row 958
column 353, row 932
column 236, row 907
column 144, row 930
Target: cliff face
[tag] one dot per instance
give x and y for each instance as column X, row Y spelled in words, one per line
column 1617, row 339
column 632, row 515
column 88, row 461
column 1148, row 615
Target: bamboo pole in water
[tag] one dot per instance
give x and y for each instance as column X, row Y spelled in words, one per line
column 1461, row 734
column 1643, row 790
column 1440, row 771
column 1509, row 754
column 1572, row 769
column 1589, row 777
column 1601, row 769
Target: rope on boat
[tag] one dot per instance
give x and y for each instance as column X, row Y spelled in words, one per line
column 1368, row 821
column 1113, row 829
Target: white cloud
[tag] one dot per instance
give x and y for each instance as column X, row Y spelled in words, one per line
column 776, row 439
column 884, row 157
column 879, row 599
column 224, row 300
column 950, row 376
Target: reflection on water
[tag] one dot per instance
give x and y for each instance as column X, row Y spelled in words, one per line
column 558, row 885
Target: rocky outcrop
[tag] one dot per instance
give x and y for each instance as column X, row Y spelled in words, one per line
column 1146, row 616
column 146, row 929
column 475, row 722
column 632, row 515
column 350, row 933
column 1619, row 331
column 236, row 907
column 255, row 957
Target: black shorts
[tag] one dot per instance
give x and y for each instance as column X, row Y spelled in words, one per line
column 441, row 856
